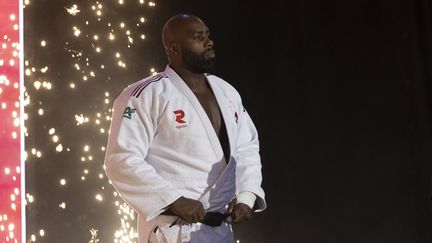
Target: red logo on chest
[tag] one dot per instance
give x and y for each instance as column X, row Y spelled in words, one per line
column 179, row 116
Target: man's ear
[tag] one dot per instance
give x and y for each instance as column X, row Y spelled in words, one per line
column 172, row 48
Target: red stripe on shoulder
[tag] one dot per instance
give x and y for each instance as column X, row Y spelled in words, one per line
column 137, row 91
column 146, row 82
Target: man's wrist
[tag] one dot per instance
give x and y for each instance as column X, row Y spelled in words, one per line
column 247, row 198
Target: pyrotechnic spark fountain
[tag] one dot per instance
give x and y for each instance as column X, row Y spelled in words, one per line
column 71, row 78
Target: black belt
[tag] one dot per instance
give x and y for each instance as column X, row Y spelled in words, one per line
column 212, row 219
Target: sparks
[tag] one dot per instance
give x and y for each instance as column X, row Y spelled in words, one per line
column 73, row 10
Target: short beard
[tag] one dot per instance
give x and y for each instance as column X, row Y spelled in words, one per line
column 198, row 64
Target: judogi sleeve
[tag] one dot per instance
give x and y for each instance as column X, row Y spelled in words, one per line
column 248, row 171
column 134, row 123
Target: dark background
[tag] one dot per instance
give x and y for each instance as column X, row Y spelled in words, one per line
column 341, row 94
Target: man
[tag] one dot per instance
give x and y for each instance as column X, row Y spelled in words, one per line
column 182, row 150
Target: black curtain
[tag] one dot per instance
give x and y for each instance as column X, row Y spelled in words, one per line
column 341, row 92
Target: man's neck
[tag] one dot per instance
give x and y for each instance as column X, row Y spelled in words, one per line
column 195, row 81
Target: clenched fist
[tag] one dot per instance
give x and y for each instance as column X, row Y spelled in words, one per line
column 189, row 210
column 239, row 212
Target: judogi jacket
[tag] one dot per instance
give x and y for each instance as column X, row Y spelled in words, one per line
column 162, row 146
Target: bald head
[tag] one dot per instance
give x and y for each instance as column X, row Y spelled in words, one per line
column 187, row 43
column 175, row 27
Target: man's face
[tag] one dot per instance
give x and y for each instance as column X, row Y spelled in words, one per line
column 197, row 48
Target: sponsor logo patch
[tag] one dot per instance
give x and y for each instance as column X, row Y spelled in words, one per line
column 179, row 118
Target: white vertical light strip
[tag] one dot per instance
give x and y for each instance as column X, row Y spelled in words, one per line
column 22, row 137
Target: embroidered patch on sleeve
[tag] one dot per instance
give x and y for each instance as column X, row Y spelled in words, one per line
column 128, row 112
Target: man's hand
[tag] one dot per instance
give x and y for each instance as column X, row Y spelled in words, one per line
column 239, row 212
column 189, row 210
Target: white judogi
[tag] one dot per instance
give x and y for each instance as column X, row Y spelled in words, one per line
column 162, row 146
